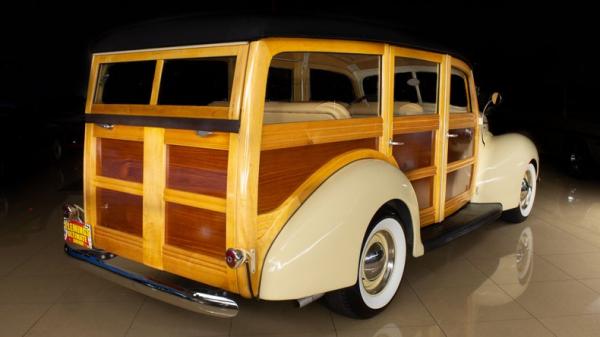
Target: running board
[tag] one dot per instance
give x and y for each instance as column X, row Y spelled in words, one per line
column 466, row 220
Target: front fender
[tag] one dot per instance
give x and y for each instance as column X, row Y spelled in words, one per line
column 502, row 162
column 318, row 250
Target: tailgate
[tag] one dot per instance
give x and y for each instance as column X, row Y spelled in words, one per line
column 156, row 175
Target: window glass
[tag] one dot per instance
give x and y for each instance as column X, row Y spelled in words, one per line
column 459, row 99
column 330, row 86
column 279, row 84
column 321, row 86
column 415, row 87
column 125, row 83
column 202, row 81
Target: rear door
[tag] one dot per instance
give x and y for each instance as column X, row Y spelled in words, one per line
column 159, row 124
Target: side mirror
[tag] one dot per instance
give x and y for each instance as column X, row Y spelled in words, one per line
column 494, row 100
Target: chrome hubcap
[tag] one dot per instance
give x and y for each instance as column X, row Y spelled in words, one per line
column 378, row 262
column 526, row 190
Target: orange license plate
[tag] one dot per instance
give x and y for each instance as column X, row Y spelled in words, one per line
column 77, row 233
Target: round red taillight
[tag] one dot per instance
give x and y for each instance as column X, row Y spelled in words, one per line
column 234, row 257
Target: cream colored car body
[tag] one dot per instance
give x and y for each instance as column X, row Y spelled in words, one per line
column 319, row 247
column 501, row 164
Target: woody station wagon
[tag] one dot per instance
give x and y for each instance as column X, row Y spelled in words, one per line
column 283, row 160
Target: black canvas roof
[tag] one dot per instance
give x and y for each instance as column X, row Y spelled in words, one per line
column 195, row 30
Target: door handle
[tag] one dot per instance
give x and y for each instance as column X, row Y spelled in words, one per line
column 452, row 135
column 393, row 143
column 106, row 126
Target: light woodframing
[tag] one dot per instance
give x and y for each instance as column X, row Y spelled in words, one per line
column 245, row 229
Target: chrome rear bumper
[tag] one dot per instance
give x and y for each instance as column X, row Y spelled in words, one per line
column 199, row 298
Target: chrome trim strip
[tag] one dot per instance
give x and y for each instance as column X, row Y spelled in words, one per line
column 196, row 301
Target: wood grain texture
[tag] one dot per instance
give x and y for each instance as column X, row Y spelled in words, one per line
column 119, row 211
column 427, row 216
column 198, row 267
column 220, row 112
column 120, row 132
column 424, row 191
column 118, row 185
column 154, row 198
column 217, row 140
column 196, row 230
column 416, row 152
column 282, row 171
column 441, row 138
column 197, row 170
column 410, row 124
column 462, row 120
column 278, row 136
column 120, row 159
column 89, row 172
column 196, row 200
column 421, row 173
column 123, row 244
column 454, row 204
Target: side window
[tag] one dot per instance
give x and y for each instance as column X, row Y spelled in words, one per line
column 280, row 84
column 203, row 81
column 320, row 86
column 459, row 97
column 415, row 87
column 125, row 83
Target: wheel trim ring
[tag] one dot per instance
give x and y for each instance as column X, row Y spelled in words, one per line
column 526, row 190
column 374, row 285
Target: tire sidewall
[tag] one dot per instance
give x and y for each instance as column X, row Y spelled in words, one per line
column 525, row 212
column 378, row 301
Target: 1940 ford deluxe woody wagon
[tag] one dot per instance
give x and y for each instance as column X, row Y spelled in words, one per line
column 283, row 160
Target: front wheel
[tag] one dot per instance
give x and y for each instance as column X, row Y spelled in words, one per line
column 380, row 270
column 526, row 197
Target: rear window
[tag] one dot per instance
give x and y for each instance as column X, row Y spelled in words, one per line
column 196, row 81
column 184, row 82
column 125, row 83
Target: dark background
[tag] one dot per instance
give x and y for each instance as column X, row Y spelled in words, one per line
column 538, row 55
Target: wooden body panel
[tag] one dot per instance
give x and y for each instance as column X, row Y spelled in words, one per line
column 165, row 189
column 282, row 171
column 196, row 230
column 201, row 195
column 120, row 159
column 197, row 170
column 119, row 211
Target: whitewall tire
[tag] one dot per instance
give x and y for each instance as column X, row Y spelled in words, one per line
column 380, row 270
column 526, row 197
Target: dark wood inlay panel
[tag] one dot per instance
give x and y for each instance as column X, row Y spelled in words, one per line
column 458, row 181
column 197, row 170
column 119, row 211
column 195, row 229
column 417, row 151
column 424, row 190
column 283, row 170
column 460, row 147
column 120, row 159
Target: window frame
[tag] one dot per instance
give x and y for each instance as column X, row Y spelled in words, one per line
column 238, row 50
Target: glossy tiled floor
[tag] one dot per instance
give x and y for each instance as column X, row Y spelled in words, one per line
column 539, row 278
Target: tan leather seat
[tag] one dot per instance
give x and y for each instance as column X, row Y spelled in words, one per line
column 371, row 109
column 283, row 112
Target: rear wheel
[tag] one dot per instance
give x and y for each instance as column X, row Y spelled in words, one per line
column 526, row 197
column 380, row 271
